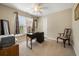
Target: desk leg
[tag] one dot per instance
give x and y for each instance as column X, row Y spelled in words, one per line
column 31, row 43
column 28, row 42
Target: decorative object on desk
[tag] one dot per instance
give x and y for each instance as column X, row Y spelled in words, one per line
column 76, row 12
column 29, row 29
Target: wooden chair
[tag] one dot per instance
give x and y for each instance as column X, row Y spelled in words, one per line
column 65, row 36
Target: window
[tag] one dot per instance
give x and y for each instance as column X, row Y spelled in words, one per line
column 25, row 24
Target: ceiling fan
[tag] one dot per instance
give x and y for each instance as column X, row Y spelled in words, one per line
column 39, row 7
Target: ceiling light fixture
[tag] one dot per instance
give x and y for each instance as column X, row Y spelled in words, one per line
column 38, row 8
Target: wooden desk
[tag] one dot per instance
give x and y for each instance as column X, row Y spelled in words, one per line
column 29, row 38
column 38, row 35
column 10, row 51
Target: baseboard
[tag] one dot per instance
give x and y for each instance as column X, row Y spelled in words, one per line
column 51, row 38
column 75, row 51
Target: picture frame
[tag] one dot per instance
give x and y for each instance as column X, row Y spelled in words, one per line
column 76, row 12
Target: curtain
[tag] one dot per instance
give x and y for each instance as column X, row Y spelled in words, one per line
column 17, row 23
column 34, row 25
column 0, row 27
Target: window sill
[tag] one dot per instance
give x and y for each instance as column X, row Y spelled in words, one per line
column 20, row 35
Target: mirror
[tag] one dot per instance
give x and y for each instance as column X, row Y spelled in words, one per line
column 4, row 27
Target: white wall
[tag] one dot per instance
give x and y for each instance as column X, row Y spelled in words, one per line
column 75, row 27
column 42, row 25
column 45, row 26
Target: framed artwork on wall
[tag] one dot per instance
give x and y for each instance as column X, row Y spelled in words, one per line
column 76, row 12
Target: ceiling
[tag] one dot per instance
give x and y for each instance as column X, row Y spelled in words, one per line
column 49, row 7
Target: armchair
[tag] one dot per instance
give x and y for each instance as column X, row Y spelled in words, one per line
column 65, row 36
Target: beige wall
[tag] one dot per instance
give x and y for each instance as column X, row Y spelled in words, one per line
column 8, row 14
column 56, row 22
column 75, row 27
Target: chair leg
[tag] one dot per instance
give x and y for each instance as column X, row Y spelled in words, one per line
column 69, row 42
column 57, row 39
column 64, row 41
